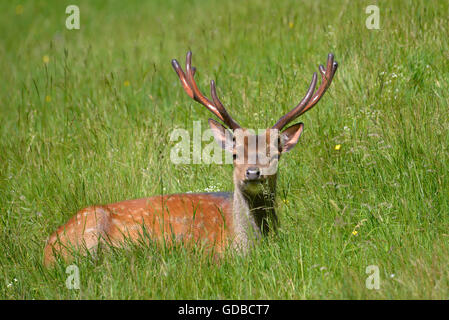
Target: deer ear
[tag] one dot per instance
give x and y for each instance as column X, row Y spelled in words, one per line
column 290, row 136
column 222, row 135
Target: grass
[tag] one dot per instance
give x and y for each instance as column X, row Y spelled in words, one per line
column 86, row 117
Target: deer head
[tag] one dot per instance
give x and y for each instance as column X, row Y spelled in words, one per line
column 255, row 154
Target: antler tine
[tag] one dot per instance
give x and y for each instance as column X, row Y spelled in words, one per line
column 198, row 96
column 306, row 104
column 182, row 77
column 191, row 88
column 293, row 113
column 227, row 118
column 326, row 79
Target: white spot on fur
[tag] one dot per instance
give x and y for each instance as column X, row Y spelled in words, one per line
column 116, row 221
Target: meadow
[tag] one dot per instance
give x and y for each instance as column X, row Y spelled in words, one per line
column 86, row 116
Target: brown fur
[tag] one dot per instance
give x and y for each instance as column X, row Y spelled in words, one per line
column 202, row 216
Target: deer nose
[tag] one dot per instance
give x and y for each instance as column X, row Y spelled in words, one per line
column 252, row 173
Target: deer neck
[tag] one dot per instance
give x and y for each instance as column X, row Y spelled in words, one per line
column 254, row 215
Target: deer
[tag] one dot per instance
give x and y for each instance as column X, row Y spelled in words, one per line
column 216, row 220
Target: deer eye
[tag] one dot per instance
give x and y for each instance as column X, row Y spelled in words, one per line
column 234, row 156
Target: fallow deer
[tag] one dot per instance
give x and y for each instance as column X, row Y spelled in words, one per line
column 219, row 220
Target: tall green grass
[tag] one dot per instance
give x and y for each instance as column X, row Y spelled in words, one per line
column 92, row 125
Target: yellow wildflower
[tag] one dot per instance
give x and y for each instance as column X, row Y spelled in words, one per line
column 354, row 233
column 290, row 25
column 46, row 59
column 19, row 9
column 126, row 83
column 337, row 147
column 47, row 98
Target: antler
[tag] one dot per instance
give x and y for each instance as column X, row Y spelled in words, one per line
column 191, row 88
column 311, row 99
